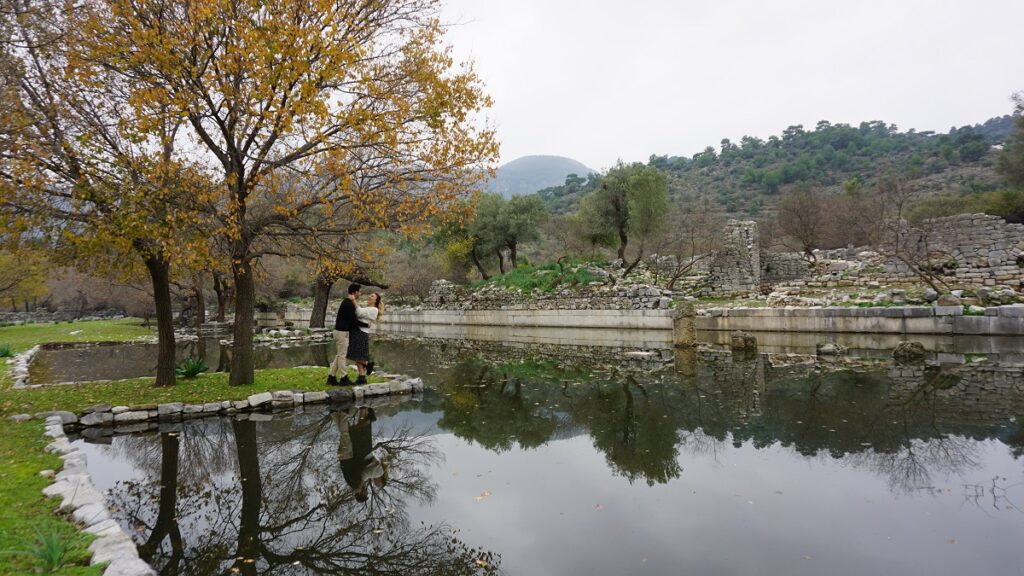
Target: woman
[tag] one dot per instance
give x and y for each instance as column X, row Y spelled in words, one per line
column 359, row 340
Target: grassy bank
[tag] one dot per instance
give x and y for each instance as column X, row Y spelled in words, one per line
column 23, row 509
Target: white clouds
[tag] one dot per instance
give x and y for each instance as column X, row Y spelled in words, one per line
column 606, row 79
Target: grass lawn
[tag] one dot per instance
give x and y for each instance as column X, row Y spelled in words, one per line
column 23, row 509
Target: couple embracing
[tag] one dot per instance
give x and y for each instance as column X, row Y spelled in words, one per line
column 352, row 335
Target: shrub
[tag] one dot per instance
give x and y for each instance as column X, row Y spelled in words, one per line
column 51, row 548
column 5, row 351
column 191, row 367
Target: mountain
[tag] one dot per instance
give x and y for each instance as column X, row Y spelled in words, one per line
column 746, row 177
column 528, row 174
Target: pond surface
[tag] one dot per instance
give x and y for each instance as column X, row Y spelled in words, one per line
column 580, row 462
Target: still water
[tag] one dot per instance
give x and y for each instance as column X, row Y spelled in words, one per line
column 583, row 461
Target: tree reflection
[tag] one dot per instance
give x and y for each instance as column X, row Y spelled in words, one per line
column 282, row 506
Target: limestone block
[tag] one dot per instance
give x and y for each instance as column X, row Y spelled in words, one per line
column 131, row 417
column 315, row 397
column 211, row 407
column 110, row 548
column 90, row 514
column 399, row 387
column 119, row 410
column 126, row 566
column 285, row 396
column 258, row 400
column 171, row 408
column 96, row 419
column 241, row 404
column 97, row 408
column 192, row 409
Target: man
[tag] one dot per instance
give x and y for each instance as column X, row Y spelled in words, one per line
column 343, row 324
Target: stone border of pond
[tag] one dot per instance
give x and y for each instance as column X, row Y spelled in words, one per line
column 20, row 364
column 109, row 415
column 88, row 507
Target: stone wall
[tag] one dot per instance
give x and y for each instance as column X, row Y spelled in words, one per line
column 445, row 295
column 736, row 268
column 778, row 267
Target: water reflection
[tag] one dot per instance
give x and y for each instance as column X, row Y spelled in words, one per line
column 237, row 496
column 907, row 424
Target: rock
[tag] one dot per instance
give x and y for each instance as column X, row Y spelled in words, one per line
column 96, row 419
column 831, row 349
column 21, row 418
column 90, row 514
column 417, row 384
column 47, row 473
column 241, row 404
column 211, row 407
column 1013, row 311
column 283, row 396
column 169, row 409
column 126, row 566
column 909, row 352
column 192, row 409
column 126, row 417
column 257, row 400
column 948, row 300
column 98, row 408
column 119, row 410
column 260, row 417
column 399, row 387
column 898, row 296
column 742, row 341
column 930, row 295
column 341, row 394
column 377, row 389
column 110, row 548
column 314, row 397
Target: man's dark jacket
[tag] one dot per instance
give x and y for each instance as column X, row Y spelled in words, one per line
column 346, row 320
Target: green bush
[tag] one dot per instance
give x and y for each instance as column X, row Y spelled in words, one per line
column 191, row 367
column 545, row 278
column 5, row 351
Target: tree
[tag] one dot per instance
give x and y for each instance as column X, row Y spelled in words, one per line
column 22, row 276
column 693, row 234
column 630, row 201
column 802, row 219
column 87, row 170
column 310, row 113
column 1011, row 161
column 502, row 225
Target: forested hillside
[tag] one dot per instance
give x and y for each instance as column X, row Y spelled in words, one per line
column 748, row 176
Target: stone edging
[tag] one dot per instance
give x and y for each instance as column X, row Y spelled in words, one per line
column 19, row 368
column 88, row 508
column 107, row 415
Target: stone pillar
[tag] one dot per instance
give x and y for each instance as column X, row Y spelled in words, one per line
column 684, row 325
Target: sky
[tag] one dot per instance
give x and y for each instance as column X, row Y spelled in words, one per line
column 602, row 80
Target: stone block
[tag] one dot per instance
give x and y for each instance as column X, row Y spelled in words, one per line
column 98, row 408
column 258, row 400
column 260, row 417
column 127, row 566
column 21, row 418
column 171, row 408
column 1014, row 311
column 314, row 397
column 127, row 417
column 399, row 387
column 241, row 404
column 211, row 407
column 341, row 394
column 191, row 409
column 285, row 396
column 97, row 419
column 957, row 310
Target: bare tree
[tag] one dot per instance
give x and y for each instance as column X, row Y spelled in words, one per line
column 802, row 220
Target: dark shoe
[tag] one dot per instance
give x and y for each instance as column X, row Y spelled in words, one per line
column 361, row 380
column 369, row 367
column 344, row 381
column 331, row 380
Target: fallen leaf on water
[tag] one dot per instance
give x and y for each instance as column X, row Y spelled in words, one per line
column 482, row 563
column 483, row 495
column 598, row 507
column 806, row 557
column 951, row 541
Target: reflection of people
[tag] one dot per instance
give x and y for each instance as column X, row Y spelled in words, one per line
column 345, row 324
column 361, row 463
column 359, row 339
column 372, row 314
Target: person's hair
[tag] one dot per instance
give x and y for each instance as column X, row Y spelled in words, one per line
column 380, row 306
column 353, row 288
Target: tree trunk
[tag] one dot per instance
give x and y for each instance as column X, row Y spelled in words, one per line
column 160, row 274
column 512, row 255
column 321, row 297
column 476, row 262
column 623, row 240
column 501, row 260
column 221, row 288
column 242, row 372
column 197, row 291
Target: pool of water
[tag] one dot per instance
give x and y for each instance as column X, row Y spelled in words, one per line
column 556, row 460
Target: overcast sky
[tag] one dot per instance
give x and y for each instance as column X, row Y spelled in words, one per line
column 605, row 79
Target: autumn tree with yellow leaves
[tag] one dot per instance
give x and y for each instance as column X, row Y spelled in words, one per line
column 322, row 120
column 88, row 169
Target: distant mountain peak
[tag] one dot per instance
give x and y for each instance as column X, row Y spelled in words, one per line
column 528, row 174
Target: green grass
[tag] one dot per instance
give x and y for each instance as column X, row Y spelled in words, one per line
column 25, row 336
column 528, row 278
column 24, row 512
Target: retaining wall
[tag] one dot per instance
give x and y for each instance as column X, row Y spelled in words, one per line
column 615, row 319
column 998, row 321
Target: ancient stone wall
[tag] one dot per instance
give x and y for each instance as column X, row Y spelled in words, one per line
column 736, row 268
column 779, row 267
column 445, row 295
